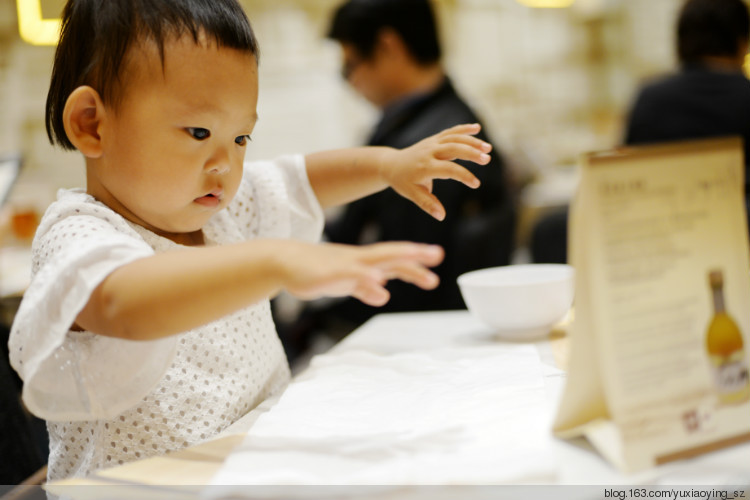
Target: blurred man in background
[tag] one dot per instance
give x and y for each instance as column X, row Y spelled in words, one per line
column 709, row 96
column 391, row 56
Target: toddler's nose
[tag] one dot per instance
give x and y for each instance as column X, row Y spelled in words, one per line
column 219, row 163
column 218, row 167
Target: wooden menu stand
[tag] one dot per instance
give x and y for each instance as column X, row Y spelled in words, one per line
column 648, row 225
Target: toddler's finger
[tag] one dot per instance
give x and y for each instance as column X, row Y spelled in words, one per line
column 469, row 140
column 455, row 151
column 371, row 293
column 425, row 200
column 464, row 128
column 413, row 273
column 444, row 169
column 429, row 255
column 380, row 254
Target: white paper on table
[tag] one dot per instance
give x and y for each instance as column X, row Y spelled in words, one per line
column 476, row 415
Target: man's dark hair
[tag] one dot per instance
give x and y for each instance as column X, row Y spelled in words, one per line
column 711, row 28
column 97, row 34
column 358, row 22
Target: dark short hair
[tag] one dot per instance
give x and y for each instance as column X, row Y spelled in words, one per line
column 97, row 34
column 711, row 28
column 358, row 22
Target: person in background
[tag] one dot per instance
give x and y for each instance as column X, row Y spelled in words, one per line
column 146, row 326
column 709, row 96
column 392, row 57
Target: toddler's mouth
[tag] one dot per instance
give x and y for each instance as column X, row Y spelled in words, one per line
column 211, row 199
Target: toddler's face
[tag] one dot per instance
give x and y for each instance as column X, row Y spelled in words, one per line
column 174, row 147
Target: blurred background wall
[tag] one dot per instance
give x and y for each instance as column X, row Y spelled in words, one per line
column 549, row 83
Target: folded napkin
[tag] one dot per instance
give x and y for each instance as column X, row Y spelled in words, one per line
column 469, row 415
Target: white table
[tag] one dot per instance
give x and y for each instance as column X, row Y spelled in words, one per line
column 575, row 463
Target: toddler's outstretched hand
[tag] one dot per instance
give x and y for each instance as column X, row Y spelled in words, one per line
column 410, row 171
column 332, row 270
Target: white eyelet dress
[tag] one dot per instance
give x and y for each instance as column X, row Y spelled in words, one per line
column 108, row 401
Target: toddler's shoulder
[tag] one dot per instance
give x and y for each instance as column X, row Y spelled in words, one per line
column 75, row 223
column 79, row 212
column 74, row 203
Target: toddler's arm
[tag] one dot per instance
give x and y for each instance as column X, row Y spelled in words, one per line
column 345, row 175
column 176, row 291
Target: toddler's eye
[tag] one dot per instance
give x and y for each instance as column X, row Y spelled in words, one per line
column 242, row 140
column 199, row 133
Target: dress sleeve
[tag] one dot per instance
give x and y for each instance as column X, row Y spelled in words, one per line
column 275, row 200
column 80, row 375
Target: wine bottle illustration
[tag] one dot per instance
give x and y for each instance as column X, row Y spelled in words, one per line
column 726, row 349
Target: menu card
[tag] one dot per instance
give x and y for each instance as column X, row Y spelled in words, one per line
column 658, row 366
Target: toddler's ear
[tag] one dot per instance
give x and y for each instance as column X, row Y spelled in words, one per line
column 82, row 117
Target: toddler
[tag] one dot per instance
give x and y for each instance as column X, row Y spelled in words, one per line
column 146, row 327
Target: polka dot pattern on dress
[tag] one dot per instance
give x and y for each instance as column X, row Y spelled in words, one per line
column 204, row 390
column 217, row 372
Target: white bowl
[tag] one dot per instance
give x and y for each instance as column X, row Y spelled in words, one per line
column 521, row 301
